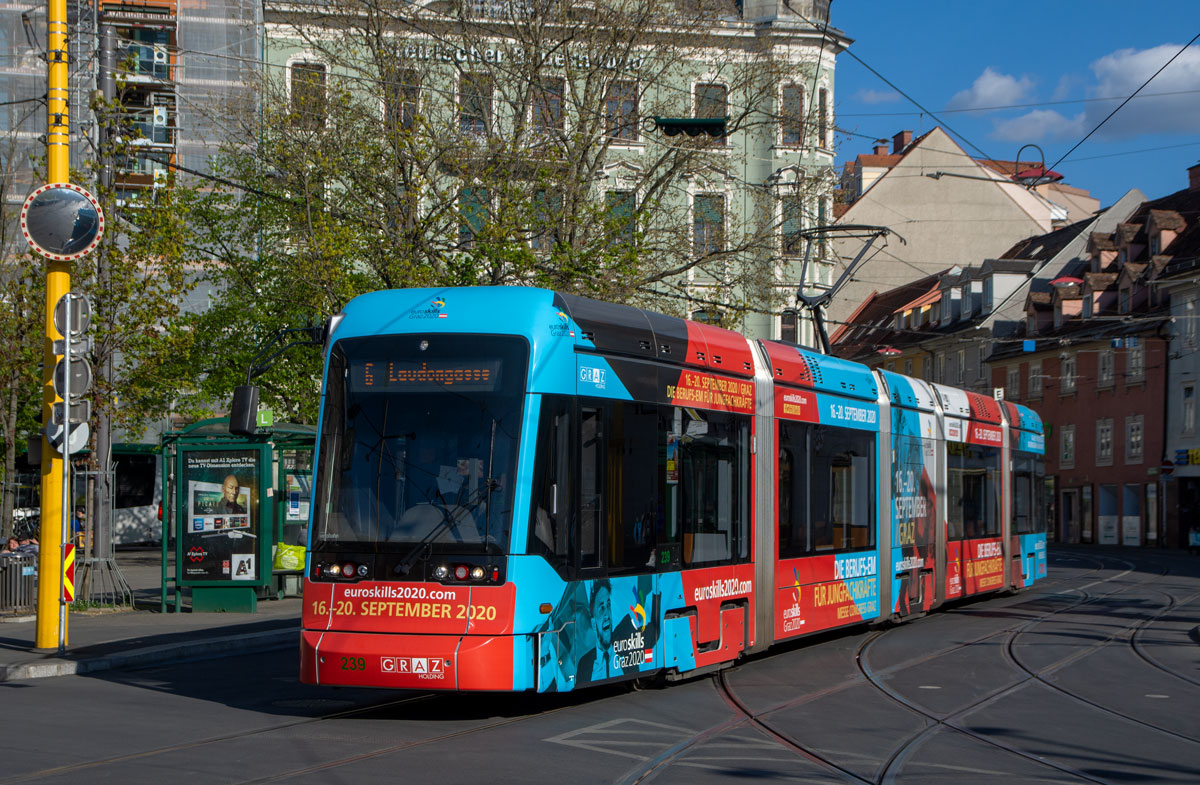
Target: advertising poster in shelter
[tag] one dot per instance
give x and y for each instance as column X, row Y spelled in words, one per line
column 220, row 528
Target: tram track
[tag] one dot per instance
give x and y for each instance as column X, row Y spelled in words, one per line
column 892, row 768
column 746, row 717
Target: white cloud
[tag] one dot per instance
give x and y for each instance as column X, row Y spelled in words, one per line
column 1039, row 125
column 1120, row 73
column 1066, row 85
column 992, row 88
column 877, row 96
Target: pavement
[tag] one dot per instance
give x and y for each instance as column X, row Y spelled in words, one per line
column 104, row 639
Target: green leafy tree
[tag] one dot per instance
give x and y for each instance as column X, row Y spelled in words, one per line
column 22, row 314
column 484, row 144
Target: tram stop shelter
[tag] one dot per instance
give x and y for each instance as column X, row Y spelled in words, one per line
column 235, row 512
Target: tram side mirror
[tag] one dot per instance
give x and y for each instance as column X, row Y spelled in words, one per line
column 243, row 415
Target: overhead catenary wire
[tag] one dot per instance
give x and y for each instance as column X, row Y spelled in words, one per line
column 1123, row 103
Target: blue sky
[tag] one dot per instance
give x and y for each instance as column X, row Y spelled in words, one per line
column 1045, row 60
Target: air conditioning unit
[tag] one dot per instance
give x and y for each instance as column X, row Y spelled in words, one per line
column 160, row 54
column 160, row 115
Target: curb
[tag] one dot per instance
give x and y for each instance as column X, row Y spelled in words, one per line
column 212, row 648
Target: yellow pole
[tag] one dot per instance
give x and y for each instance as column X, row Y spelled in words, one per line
column 58, row 283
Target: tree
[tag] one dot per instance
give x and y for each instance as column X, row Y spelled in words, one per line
column 22, row 305
column 478, row 143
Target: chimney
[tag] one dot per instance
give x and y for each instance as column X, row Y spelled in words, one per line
column 881, row 146
column 1194, row 178
column 900, row 141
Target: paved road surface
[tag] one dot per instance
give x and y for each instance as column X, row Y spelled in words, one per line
column 1093, row 676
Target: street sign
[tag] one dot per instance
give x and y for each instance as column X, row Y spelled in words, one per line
column 62, row 221
column 78, row 439
column 77, row 346
column 81, row 375
column 81, row 314
column 81, row 411
column 68, row 583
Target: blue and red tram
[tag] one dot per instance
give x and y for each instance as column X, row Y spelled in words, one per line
column 519, row 489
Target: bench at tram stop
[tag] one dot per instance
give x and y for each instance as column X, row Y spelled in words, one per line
column 18, row 584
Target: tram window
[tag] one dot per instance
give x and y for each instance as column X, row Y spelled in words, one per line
column 1039, row 495
column 135, row 481
column 635, row 477
column 1029, row 509
column 972, row 489
column 1022, row 496
column 713, row 487
column 840, row 481
column 549, row 529
column 793, row 495
column 591, row 469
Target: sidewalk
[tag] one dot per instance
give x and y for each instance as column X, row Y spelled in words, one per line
column 103, row 640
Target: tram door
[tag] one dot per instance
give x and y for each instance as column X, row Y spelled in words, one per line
column 620, row 534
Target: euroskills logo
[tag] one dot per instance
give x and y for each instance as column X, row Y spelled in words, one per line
column 796, row 585
column 433, row 311
column 637, row 611
column 562, row 327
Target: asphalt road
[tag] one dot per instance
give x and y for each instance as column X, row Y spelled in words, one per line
column 1093, row 676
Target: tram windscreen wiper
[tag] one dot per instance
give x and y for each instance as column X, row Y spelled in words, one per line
column 451, row 521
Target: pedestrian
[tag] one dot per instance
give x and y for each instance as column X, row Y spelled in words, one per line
column 79, row 525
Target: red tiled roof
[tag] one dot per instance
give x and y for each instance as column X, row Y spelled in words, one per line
column 878, row 161
column 929, row 298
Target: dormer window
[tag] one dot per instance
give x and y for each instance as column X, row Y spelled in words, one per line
column 987, row 293
column 966, row 301
column 1123, row 255
column 1087, row 307
column 1031, row 324
column 1058, row 316
column 1125, row 299
column 1156, row 244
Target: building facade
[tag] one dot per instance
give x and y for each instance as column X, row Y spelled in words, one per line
column 1172, row 233
column 1099, row 358
column 176, row 63
column 949, row 208
column 587, row 113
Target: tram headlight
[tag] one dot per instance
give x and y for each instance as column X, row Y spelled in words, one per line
column 362, row 570
column 477, row 573
column 441, row 572
column 331, row 570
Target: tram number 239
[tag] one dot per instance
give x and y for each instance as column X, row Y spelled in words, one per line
column 354, row 663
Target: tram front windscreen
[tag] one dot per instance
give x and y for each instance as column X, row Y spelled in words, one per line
column 419, row 440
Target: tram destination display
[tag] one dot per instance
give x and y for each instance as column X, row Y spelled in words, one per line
column 421, row 376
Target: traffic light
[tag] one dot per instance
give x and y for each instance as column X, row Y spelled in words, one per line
column 72, row 375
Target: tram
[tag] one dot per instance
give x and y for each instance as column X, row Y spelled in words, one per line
column 524, row 490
